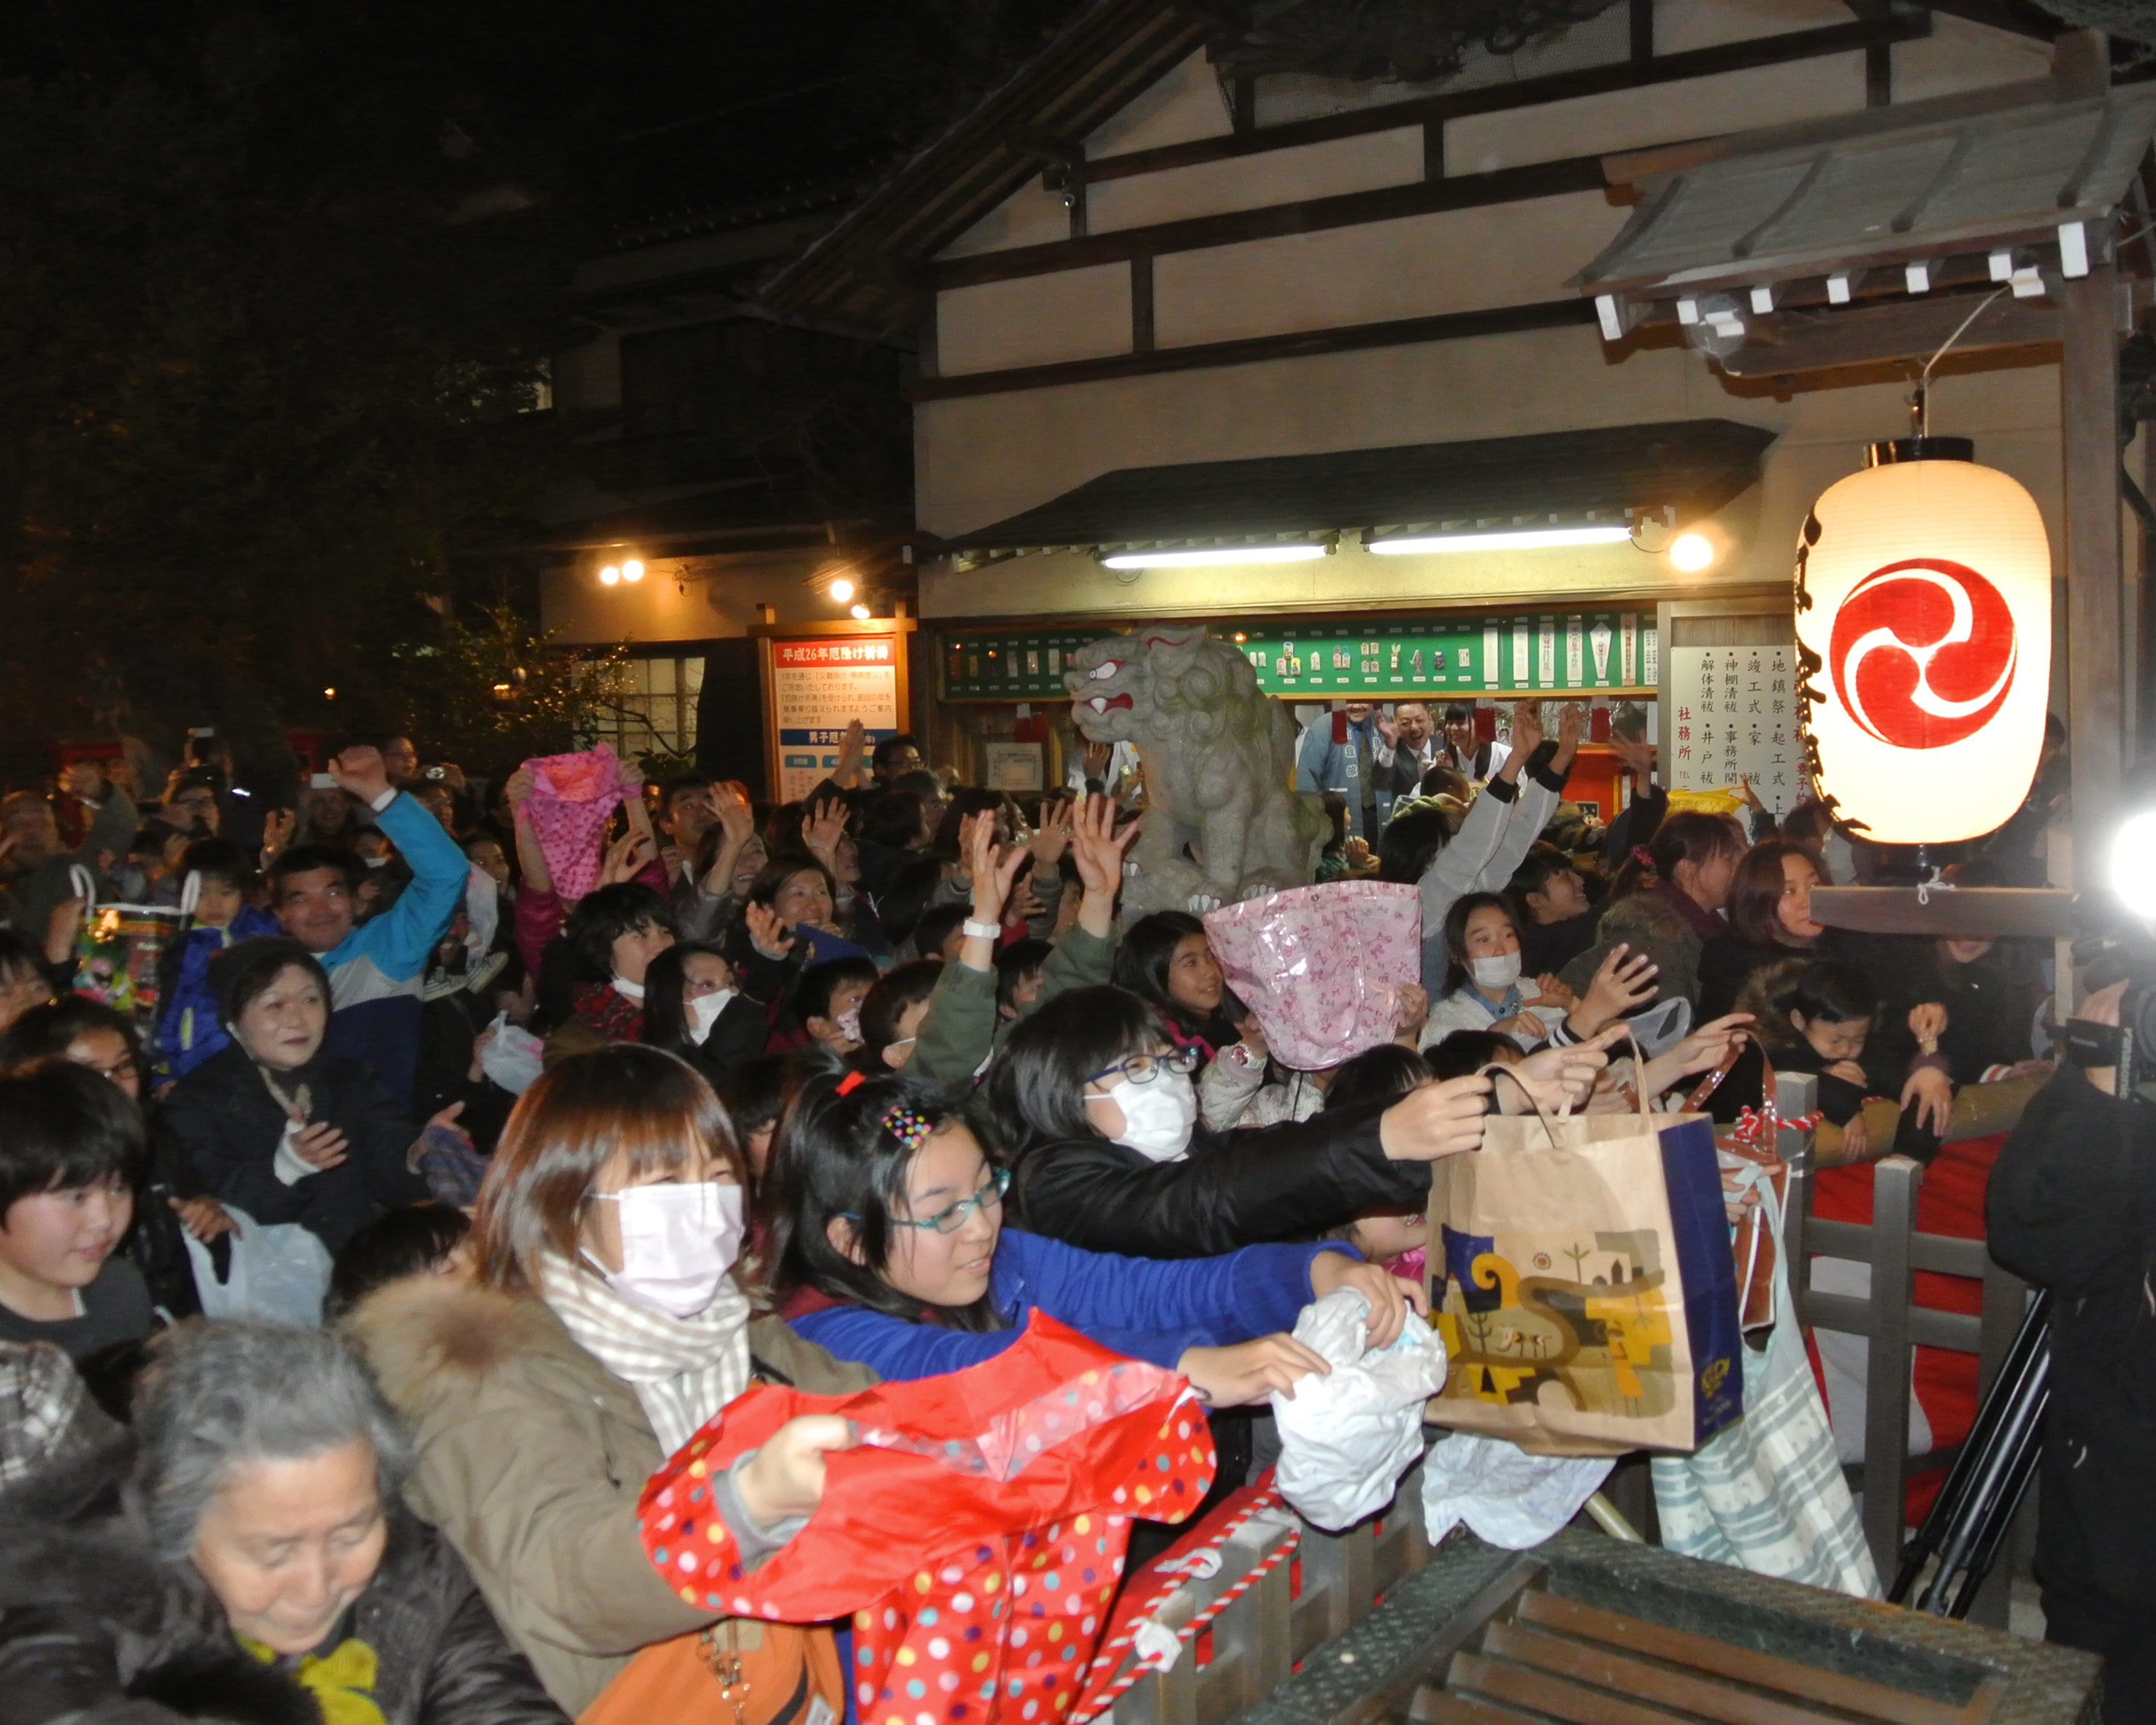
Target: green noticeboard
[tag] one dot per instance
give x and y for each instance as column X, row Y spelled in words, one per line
column 1387, row 657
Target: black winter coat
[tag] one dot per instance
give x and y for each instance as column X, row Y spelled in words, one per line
column 1284, row 1182
column 95, row 1629
column 2072, row 1208
column 221, row 1126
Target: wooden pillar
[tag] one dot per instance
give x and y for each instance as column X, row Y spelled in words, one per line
column 2097, row 649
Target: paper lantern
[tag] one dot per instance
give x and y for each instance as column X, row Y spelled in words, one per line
column 1923, row 596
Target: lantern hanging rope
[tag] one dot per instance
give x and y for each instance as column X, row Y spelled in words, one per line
column 1924, row 400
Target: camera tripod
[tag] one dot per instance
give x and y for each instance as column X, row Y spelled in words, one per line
column 1968, row 1521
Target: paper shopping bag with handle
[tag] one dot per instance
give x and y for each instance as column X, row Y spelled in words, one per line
column 1588, row 1299
column 1744, row 1150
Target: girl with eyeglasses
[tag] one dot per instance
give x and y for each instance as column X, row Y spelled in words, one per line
column 889, row 1247
column 1090, row 1104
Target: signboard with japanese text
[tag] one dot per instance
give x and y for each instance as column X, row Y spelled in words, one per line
column 818, row 686
column 1734, row 716
column 1587, row 652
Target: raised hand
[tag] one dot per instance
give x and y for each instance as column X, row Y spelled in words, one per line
column 852, row 748
column 1052, row 837
column 1557, row 1077
column 1386, row 728
column 83, row 779
column 1410, row 1012
column 1928, row 1023
column 766, row 931
column 61, row 926
column 992, row 876
column 1639, row 758
column 1097, row 848
column 277, row 831
column 1250, row 1370
column 360, row 769
column 822, row 827
column 205, row 1218
column 1527, row 727
column 625, row 856
column 1625, row 980
column 518, row 787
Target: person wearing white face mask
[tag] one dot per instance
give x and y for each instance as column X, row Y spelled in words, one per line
column 692, row 1008
column 1089, row 1105
column 606, row 1324
column 1485, row 990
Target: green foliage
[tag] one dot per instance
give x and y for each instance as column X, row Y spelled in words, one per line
column 491, row 692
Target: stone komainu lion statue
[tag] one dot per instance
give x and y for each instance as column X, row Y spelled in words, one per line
column 1221, row 822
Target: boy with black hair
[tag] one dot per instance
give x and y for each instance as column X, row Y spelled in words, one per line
column 1018, row 976
column 826, row 1000
column 189, row 1029
column 71, row 1150
column 1559, row 924
column 938, row 932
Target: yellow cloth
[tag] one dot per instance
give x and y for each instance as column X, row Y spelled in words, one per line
column 343, row 1683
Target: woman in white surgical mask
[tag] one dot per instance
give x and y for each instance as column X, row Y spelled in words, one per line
column 693, row 1007
column 1089, row 1103
column 1484, row 989
column 607, row 1324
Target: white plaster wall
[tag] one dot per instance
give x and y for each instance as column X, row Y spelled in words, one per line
column 1032, row 215
column 1683, row 24
column 1320, row 170
column 1035, row 320
column 1457, row 260
column 1959, row 56
column 1661, row 114
column 1186, row 103
column 983, row 459
column 685, row 598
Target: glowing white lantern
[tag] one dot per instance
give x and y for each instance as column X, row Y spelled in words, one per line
column 1923, row 598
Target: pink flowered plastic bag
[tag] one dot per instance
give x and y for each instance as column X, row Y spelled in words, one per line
column 1321, row 966
column 572, row 798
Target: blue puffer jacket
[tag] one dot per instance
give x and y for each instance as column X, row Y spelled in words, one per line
column 188, row 1032
column 1149, row 1309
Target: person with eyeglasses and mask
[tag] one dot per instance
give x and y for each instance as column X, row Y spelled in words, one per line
column 1090, row 1104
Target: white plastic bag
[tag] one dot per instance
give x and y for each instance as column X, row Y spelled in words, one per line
column 1347, row 1438
column 1509, row 1498
column 280, row 1272
column 512, row 1059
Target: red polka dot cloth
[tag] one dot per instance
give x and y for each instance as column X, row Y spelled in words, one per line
column 975, row 1533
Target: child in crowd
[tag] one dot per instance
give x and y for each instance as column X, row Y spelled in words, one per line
column 416, row 1239
column 692, row 1008
column 827, row 1001
column 188, row 1032
column 1817, row 1016
column 1560, row 923
column 71, row 1152
column 23, row 983
column 1019, row 966
column 1482, row 986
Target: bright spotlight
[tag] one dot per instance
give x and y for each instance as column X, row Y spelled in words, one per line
column 631, row 569
column 609, row 576
column 842, row 589
column 1691, row 552
column 861, row 611
column 2134, row 865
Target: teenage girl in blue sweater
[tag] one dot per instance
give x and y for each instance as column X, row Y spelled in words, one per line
column 888, row 1247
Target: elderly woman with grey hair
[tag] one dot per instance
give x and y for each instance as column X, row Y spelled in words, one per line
column 242, row 1555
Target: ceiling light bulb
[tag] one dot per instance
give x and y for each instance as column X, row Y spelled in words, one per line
column 862, row 612
column 842, row 589
column 632, row 570
column 329, row 694
column 1691, row 552
column 609, row 576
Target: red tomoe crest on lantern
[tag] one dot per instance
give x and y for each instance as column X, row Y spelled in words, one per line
column 1922, row 652
column 1923, row 617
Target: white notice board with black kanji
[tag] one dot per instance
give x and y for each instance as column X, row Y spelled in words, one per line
column 1734, row 716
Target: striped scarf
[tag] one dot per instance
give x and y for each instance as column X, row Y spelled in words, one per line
column 683, row 1370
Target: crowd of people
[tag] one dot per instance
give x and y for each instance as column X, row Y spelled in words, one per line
column 825, row 1093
